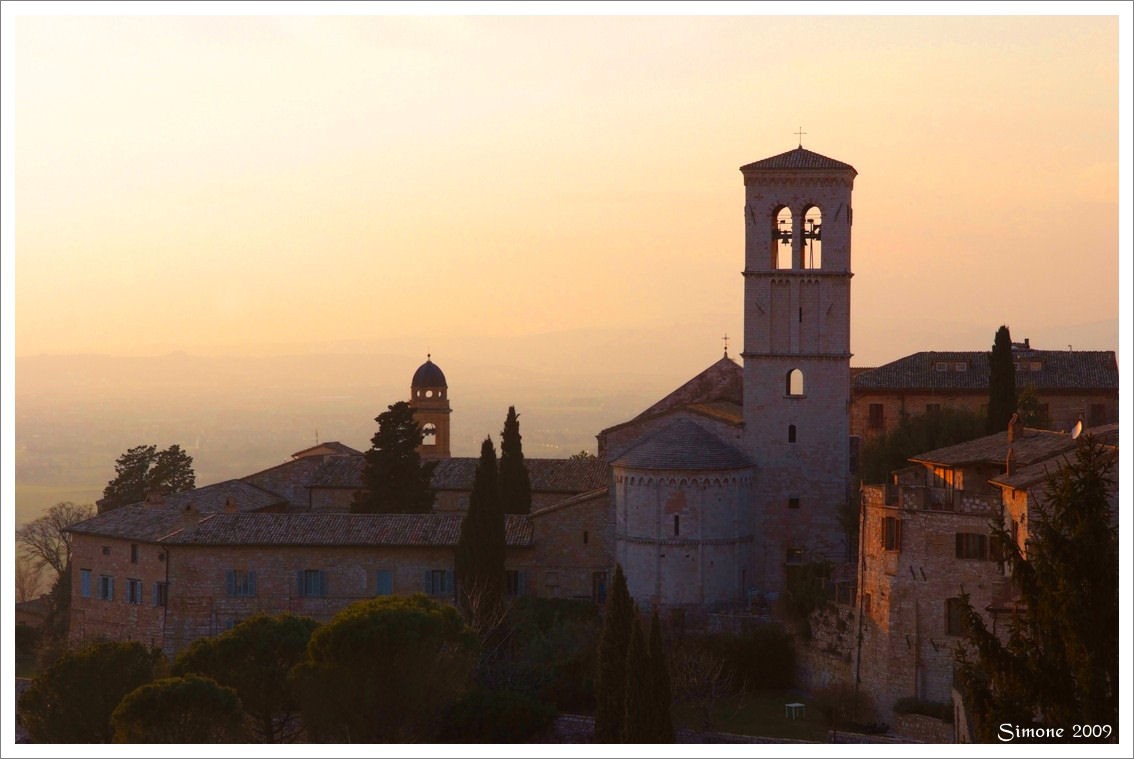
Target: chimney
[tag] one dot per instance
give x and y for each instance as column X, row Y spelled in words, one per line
column 1009, row 462
column 154, row 500
column 1014, row 428
column 190, row 516
column 229, row 505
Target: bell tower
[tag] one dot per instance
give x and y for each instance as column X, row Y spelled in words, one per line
column 429, row 397
column 797, row 275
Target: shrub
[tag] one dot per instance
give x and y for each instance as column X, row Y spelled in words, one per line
column 485, row 716
column 762, row 658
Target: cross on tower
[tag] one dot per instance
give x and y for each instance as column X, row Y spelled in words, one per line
column 800, row 134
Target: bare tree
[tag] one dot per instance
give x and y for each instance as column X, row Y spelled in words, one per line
column 45, row 541
column 700, row 679
column 27, row 579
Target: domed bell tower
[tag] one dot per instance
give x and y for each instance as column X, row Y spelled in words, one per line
column 429, row 397
column 797, row 275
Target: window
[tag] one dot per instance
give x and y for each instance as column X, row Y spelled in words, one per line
column 311, row 583
column 586, row 536
column 971, row 545
column 955, row 617
column 793, row 503
column 933, row 408
column 161, row 594
column 133, row 553
column 551, row 584
column 794, row 556
column 438, row 582
column 133, row 591
column 598, row 587
column 781, row 239
column 385, row 583
column 877, row 420
column 941, row 366
column 961, row 366
column 240, row 583
column 515, row 582
column 795, row 383
column 85, row 583
column 891, row 534
column 676, row 524
column 791, row 433
column 106, row 587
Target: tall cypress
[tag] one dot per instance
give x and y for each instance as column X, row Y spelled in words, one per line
column 610, row 682
column 480, row 549
column 661, row 687
column 1001, row 382
column 515, row 485
column 638, row 727
column 396, row 479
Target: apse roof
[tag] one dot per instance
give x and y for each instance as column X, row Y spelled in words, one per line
column 683, row 445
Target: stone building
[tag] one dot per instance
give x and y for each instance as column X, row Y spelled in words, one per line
column 1066, row 386
column 926, row 538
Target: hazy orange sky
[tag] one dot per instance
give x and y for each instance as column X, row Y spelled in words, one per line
column 228, row 183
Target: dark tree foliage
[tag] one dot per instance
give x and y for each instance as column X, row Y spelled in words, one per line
column 1001, row 383
column 143, row 470
column 661, row 687
column 71, row 702
column 479, row 561
column 1060, row 661
column 496, row 716
column 610, row 683
column 46, row 542
column 515, row 484
column 395, row 478
column 637, row 726
column 886, row 453
column 1032, row 413
column 385, row 670
column 188, row 709
column 254, row 658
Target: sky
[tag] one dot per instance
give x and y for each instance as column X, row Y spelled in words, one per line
column 217, row 184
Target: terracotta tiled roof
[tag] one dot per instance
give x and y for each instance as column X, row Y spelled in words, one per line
column 340, row 530
column 724, row 411
column 153, row 521
column 291, row 479
column 1059, row 370
column 720, row 384
column 546, row 475
column 1029, row 447
column 331, row 448
column 683, row 445
column 1026, row 477
column 800, row 158
column 339, row 472
column 574, row 500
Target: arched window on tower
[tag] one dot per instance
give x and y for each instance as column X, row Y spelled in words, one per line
column 791, row 433
column 429, row 435
column 782, row 231
column 795, row 383
column 812, row 238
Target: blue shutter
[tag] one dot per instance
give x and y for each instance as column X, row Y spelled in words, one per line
column 428, row 583
column 299, row 582
column 110, row 594
column 321, row 584
column 522, row 584
column 446, row 582
column 385, row 582
column 85, row 583
column 251, row 583
column 153, row 596
column 230, row 582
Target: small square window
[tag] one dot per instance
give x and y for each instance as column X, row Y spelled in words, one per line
column 133, row 553
column 793, row 503
column 956, row 620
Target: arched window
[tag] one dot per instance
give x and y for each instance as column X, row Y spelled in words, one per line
column 429, row 435
column 812, row 239
column 795, row 383
column 782, row 232
column 791, row 433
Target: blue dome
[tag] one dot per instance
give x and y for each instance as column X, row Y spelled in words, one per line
column 429, row 375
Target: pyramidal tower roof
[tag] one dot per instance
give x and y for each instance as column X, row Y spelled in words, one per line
column 800, row 158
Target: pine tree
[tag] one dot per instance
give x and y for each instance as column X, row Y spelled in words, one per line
column 144, row 469
column 1060, row 662
column 515, row 485
column 1001, row 382
column 661, row 688
column 638, row 727
column 610, row 682
column 480, row 548
column 396, row 479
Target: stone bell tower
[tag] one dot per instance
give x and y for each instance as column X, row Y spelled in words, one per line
column 429, row 397
column 797, row 277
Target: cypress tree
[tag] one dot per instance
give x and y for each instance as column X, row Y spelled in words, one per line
column 396, row 479
column 1001, row 382
column 638, row 727
column 515, row 485
column 660, row 689
column 480, row 548
column 610, row 682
